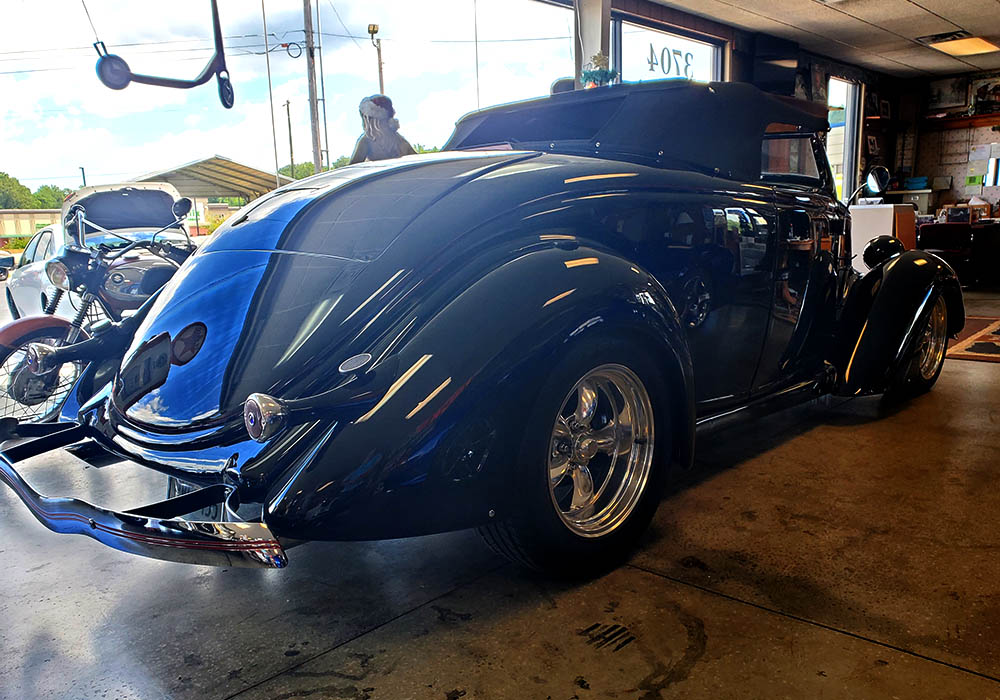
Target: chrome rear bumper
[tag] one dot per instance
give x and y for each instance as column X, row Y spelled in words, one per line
column 155, row 530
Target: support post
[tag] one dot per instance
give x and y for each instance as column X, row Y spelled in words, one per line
column 592, row 32
column 291, row 153
column 311, row 78
column 270, row 97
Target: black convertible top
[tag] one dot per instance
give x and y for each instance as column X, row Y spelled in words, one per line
column 710, row 127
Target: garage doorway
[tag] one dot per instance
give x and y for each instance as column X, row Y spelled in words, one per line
column 844, row 102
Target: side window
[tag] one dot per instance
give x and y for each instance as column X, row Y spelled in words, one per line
column 44, row 246
column 788, row 155
column 29, row 252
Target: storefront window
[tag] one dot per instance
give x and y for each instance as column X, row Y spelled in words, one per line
column 648, row 54
column 841, row 143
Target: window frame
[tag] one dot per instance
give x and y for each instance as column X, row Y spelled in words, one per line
column 618, row 17
column 29, row 257
column 824, row 177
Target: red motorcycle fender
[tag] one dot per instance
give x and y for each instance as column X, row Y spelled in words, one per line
column 15, row 330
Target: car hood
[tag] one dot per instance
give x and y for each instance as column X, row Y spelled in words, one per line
column 127, row 208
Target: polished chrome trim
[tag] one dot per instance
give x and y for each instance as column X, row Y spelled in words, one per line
column 601, row 451
column 209, row 543
column 264, row 416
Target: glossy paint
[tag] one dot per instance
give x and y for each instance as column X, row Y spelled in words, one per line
column 405, row 313
column 463, row 302
column 883, row 315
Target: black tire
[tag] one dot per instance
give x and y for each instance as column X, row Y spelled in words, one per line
column 42, row 411
column 924, row 363
column 534, row 534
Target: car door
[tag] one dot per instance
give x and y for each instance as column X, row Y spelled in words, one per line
column 707, row 249
column 803, row 262
column 28, row 280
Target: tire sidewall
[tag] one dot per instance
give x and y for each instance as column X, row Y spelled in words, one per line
column 536, row 514
column 909, row 381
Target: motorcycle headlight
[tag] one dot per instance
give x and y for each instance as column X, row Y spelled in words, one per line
column 58, row 274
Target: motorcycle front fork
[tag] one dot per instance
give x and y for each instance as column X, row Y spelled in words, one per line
column 86, row 301
column 50, row 308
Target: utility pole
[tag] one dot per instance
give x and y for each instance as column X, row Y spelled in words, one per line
column 311, row 77
column 83, row 174
column 377, row 43
column 270, row 97
column 291, row 153
column 322, row 84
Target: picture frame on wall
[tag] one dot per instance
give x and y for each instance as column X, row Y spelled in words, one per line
column 985, row 95
column 884, row 110
column 871, row 104
column 872, row 142
column 948, row 93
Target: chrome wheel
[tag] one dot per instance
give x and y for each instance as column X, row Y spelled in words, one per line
column 32, row 398
column 601, row 450
column 934, row 341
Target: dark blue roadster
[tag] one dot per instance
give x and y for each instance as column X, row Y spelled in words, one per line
column 523, row 333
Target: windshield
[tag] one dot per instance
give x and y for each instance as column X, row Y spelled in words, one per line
column 97, row 239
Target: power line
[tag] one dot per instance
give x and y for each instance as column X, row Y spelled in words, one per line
column 344, row 26
column 96, row 38
column 140, row 43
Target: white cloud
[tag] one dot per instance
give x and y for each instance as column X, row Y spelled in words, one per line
column 61, row 117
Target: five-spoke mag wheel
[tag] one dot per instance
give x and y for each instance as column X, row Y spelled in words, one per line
column 601, row 450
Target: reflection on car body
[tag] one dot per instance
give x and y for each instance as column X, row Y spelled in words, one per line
column 520, row 340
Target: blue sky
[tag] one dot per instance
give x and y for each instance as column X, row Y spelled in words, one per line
column 56, row 116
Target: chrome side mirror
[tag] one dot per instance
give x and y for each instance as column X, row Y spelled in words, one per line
column 878, row 179
column 880, row 249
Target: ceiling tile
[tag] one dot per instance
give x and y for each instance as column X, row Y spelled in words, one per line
column 875, row 34
column 986, row 61
column 927, row 59
column 981, row 17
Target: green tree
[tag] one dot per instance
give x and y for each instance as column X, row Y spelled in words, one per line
column 421, row 148
column 341, row 162
column 301, row 170
column 14, row 195
column 50, row 196
column 231, row 201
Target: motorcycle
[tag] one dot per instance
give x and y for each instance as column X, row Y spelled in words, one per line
column 43, row 357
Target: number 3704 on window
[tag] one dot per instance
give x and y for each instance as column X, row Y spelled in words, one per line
column 670, row 62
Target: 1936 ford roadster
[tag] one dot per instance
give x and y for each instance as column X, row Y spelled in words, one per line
column 522, row 333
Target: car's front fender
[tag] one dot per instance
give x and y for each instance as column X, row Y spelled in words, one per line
column 882, row 315
column 434, row 451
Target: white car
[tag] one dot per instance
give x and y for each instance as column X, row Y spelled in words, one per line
column 133, row 211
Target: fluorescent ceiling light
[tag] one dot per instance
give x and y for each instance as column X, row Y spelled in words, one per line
column 965, row 47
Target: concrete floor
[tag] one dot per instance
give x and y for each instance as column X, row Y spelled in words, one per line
column 831, row 551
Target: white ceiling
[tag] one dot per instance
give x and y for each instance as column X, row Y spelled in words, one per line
column 876, row 34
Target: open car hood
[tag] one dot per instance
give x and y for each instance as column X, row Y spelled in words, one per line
column 125, row 207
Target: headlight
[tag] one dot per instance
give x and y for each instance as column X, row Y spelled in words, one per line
column 264, row 416
column 58, row 274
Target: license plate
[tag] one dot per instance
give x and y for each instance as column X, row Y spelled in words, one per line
column 145, row 371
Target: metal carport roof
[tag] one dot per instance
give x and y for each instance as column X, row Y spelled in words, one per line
column 217, row 177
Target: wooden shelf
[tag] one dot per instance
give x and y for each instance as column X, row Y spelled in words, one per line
column 963, row 122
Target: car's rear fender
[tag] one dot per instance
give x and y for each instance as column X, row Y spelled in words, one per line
column 882, row 315
column 435, row 451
